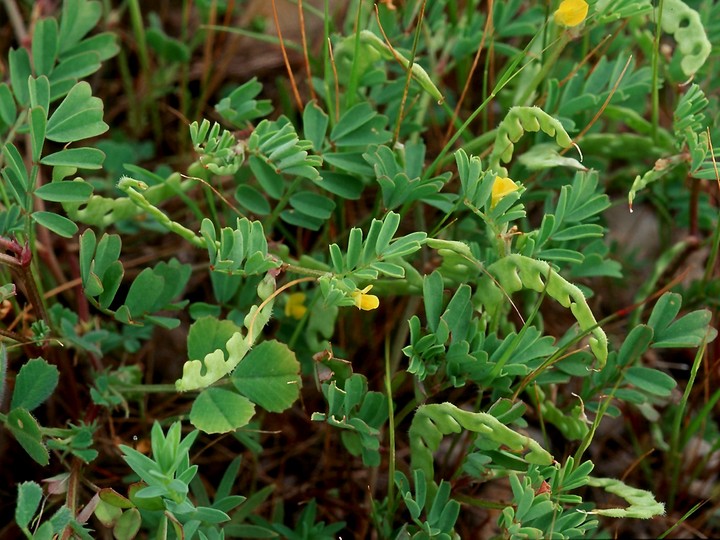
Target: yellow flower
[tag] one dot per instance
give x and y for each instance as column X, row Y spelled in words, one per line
column 365, row 301
column 295, row 305
column 501, row 188
column 571, row 12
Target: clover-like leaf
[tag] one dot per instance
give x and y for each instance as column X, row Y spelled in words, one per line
column 217, row 410
column 269, row 376
column 79, row 116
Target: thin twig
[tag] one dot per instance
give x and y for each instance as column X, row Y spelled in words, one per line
column 337, row 82
column 303, row 37
column 486, row 31
column 604, row 105
column 16, row 20
column 216, row 192
column 408, row 75
column 272, row 297
column 295, row 92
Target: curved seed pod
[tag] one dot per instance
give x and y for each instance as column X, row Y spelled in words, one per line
column 642, row 503
column 686, row 27
column 517, row 121
column 432, row 422
column 215, row 365
column 516, row 272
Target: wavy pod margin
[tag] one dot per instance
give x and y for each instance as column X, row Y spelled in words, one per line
column 516, row 272
column 432, row 422
column 517, row 121
column 686, row 27
column 215, row 365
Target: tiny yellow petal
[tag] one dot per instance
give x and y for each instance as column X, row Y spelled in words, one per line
column 571, row 12
column 365, row 301
column 294, row 306
column 501, row 188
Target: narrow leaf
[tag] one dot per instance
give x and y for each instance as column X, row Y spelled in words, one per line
column 81, row 158
column 45, row 45
column 60, row 225
column 26, row 431
column 76, row 191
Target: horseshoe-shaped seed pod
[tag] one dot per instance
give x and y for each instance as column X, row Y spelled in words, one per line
column 516, row 272
column 686, row 27
column 517, row 121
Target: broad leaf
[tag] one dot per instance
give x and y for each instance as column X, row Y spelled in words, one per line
column 28, row 499
column 269, row 376
column 217, row 410
column 78, row 18
column 650, row 380
column 35, row 383
column 79, row 116
column 208, row 334
column 143, row 293
column 315, row 123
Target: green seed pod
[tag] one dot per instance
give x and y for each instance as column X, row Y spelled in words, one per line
column 516, row 272
column 686, row 27
column 517, row 121
column 418, row 73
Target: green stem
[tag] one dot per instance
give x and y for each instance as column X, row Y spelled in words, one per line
column 391, row 426
column 507, row 76
column 408, row 76
column 280, row 206
column 541, row 75
column 712, row 259
column 675, row 454
column 354, row 73
column 655, row 72
column 139, row 31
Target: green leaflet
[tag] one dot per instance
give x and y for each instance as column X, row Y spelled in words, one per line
column 431, row 422
column 517, row 121
column 686, row 27
column 642, row 503
column 219, row 151
column 215, row 364
column 516, row 272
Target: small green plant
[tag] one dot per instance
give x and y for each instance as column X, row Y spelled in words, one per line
column 393, row 290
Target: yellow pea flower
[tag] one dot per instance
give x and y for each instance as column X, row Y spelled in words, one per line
column 295, row 305
column 365, row 301
column 501, row 188
column 571, row 12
